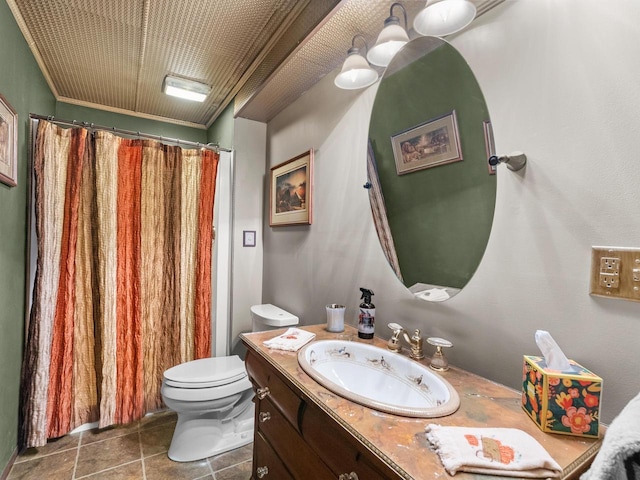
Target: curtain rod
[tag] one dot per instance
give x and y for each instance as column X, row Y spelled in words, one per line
column 177, row 141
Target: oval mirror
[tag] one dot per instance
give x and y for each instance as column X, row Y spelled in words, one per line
column 432, row 191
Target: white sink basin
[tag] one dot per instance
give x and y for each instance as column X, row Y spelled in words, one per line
column 378, row 379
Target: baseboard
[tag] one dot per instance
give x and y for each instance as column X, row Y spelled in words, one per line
column 7, row 469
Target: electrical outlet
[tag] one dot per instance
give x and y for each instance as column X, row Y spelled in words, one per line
column 609, row 280
column 609, row 272
column 610, row 265
column 615, row 272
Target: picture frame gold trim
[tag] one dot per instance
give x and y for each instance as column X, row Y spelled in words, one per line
column 8, row 143
column 428, row 144
column 291, row 191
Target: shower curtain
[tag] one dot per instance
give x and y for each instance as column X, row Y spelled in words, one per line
column 123, row 277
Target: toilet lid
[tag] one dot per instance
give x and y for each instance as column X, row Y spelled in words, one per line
column 206, row 372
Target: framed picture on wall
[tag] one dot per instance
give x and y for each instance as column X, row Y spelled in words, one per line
column 249, row 238
column 8, row 143
column 291, row 191
column 429, row 144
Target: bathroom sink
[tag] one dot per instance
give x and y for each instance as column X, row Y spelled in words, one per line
column 378, row 379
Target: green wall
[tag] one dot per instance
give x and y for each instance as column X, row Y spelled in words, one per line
column 221, row 132
column 24, row 87
column 68, row 111
column 440, row 216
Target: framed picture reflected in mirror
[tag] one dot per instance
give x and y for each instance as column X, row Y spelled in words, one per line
column 429, row 144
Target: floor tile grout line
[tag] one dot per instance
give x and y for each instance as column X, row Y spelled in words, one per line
column 38, row 457
column 206, row 476
column 213, row 473
column 135, row 430
column 75, row 464
column 21, row 459
column 110, row 438
column 89, row 475
column 144, row 468
column 232, row 466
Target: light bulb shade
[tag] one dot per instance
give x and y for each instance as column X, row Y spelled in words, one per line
column 185, row 88
column 356, row 72
column 391, row 39
column 444, row 17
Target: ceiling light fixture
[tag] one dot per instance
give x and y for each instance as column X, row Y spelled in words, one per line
column 185, row 88
column 391, row 39
column 444, row 17
column 356, row 71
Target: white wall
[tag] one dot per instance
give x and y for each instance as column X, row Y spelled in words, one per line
column 249, row 166
column 562, row 82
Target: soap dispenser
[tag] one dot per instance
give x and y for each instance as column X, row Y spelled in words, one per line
column 366, row 318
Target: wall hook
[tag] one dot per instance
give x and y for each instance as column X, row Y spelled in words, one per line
column 515, row 161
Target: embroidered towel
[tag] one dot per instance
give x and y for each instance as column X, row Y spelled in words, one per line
column 292, row 340
column 495, row 451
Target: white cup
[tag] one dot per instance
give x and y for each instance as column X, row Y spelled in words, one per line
column 335, row 317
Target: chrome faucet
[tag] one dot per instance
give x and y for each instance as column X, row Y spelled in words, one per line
column 415, row 341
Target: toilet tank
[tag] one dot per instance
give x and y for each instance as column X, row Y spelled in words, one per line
column 269, row 317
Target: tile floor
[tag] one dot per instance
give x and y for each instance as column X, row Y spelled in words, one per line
column 137, row 451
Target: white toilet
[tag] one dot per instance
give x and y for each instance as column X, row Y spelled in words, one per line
column 213, row 397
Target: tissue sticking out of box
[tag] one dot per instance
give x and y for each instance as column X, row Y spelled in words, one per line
column 554, row 357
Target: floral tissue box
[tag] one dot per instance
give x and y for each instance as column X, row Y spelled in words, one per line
column 561, row 402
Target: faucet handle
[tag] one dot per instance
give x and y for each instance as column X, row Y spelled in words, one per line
column 439, row 362
column 439, row 342
column 394, row 341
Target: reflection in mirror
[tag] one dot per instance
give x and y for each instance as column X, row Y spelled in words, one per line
column 433, row 192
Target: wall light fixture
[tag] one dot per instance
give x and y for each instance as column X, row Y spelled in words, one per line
column 444, row 17
column 356, row 71
column 391, row 39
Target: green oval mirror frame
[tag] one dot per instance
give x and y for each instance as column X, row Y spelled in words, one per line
column 432, row 190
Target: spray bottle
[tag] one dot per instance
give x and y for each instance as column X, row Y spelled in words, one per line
column 367, row 316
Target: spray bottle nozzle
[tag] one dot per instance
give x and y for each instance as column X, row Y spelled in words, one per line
column 366, row 294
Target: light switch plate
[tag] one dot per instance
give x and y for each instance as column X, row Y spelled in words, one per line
column 615, row 272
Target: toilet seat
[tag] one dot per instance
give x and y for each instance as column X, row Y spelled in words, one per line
column 206, row 372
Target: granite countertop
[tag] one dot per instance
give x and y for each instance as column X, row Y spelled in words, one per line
column 401, row 441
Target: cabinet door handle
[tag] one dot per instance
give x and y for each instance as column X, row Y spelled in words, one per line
column 264, row 416
column 262, row 471
column 263, row 392
column 348, row 476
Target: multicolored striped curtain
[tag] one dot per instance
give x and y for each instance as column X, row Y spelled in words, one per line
column 123, row 277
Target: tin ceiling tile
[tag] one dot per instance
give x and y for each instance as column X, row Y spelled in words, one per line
column 114, row 54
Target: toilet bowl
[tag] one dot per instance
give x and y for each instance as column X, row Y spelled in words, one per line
column 213, row 397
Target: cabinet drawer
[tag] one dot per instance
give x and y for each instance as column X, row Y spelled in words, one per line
column 266, row 464
column 341, row 451
column 299, row 458
column 263, row 376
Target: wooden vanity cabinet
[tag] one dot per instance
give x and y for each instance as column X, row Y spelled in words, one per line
column 340, row 450
column 266, row 463
column 295, row 439
column 313, row 434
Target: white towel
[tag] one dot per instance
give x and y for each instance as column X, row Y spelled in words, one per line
column 433, row 295
column 619, row 456
column 496, row 451
column 291, row 340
